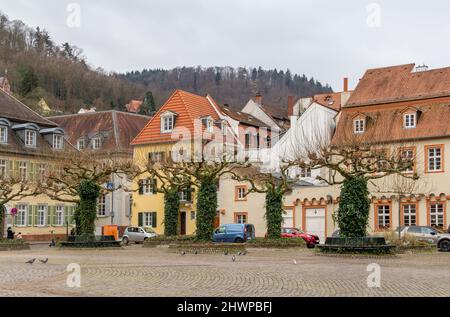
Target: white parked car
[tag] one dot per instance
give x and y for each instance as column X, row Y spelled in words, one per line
column 137, row 234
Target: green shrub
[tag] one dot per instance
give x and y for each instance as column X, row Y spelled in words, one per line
column 353, row 213
column 171, row 212
column 206, row 208
column 12, row 242
column 274, row 212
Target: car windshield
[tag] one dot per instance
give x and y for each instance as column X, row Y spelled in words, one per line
column 149, row 230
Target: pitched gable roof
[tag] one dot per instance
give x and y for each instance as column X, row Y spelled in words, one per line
column 117, row 128
column 400, row 83
column 14, row 110
column 189, row 108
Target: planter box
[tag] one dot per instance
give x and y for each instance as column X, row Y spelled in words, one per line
column 375, row 245
column 207, row 248
column 14, row 246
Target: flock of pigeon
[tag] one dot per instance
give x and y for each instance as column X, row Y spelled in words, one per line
column 44, row 261
column 226, row 253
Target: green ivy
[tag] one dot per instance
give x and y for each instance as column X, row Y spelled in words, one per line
column 353, row 213
column 86, row 211
column 206, row 208
column 171, row 212
column 274, row 212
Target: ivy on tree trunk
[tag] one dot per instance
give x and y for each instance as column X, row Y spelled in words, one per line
column 354, row 206
column 274, row 213
column 86, row 212
column 171, row 212
column 206, row 208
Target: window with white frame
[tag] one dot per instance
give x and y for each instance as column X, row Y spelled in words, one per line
column 193, row 215
column 3, row 135
column 409, row 120
column 305, row 172
column 157, row 157
column 3, row 168
column 408, row 157
column 59, row 216
column 434, row 159
column 149, row 219
column 101, row 208
column 359, row 125
column 241, row 218
column 185, row 195
column 241, row 192
column 384, row 217
column 167, row 123
column 81, row 144
column 247, row 140
column 96, row 143
column 437, row 215
column 41, row 173
column 23, row 171
column 41, row 216
column 409, row 215
column 148, row 186
column 58, row 141
column 21, row 216
column 209, row 124
column 30, row 138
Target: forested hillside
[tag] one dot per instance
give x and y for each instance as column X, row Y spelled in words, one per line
column 60, row 74
column 229, row 85
column 40, row 68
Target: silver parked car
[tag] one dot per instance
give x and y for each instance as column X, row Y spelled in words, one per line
column 428, row 234
column 137, row 234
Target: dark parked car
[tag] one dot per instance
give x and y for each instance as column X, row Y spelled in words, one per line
column 234, row 233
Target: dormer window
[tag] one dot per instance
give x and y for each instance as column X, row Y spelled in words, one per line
column 3, row 135
column 96, row 143
column 58, row 142
column 209, row 124
column 167, row 122
column 81, row 144
column 30, row 138
column 359, row 126
column 410, row 120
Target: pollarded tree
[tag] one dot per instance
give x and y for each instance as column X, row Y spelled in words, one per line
column 81, row 180
column 274, row 186
column 167, row 178
column 353, row 164
column 14, row 189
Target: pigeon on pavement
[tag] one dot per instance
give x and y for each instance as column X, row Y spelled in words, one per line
column 31, row 261
column 225, row 253
column 183, row 253
column 44, row 261
column 233, row 258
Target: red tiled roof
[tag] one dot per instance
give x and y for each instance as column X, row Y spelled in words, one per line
column 384, row 123
column 330, row 100
column 187, row 106
column 117, row 128
column 400, row 83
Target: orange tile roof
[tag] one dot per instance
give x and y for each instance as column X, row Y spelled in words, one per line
column 330, row 100
column 187, row 106
column 384, row 123
column 400, row 83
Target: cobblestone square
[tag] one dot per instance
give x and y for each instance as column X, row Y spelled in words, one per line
column 136, row 271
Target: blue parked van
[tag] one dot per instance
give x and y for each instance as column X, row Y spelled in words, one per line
column 234, row 233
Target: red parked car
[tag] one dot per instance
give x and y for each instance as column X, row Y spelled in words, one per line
column 310, row 239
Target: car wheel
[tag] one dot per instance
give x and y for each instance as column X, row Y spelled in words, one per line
column 125, row 240
column 238, row 240
column 444, row 246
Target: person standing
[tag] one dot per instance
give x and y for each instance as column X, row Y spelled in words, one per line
column 10, row 234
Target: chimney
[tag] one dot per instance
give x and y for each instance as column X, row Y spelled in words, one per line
column 345, row 84
column 258, row 98
column 290, row 106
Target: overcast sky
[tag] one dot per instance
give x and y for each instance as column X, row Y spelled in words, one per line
column 324, row 39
